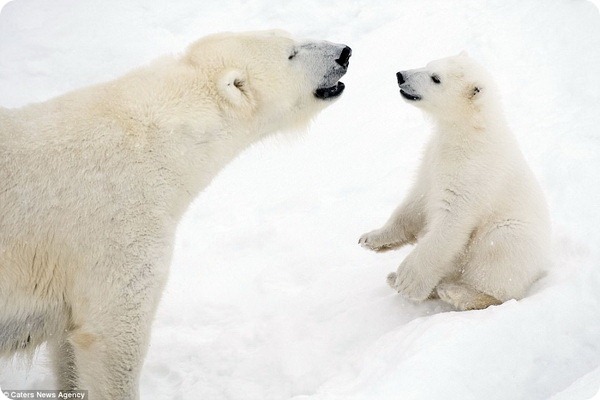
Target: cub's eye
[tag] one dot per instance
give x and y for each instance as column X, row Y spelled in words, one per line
column 436, row 79
column 294, row 52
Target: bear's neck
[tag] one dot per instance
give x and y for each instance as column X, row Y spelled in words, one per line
column 470, row 119
column 473, row 131
column 186, row 145
column 200, row 162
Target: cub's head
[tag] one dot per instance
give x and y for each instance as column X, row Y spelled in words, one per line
column 446, row 88
column 268, row 77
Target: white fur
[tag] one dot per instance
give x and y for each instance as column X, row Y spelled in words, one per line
column 476, row 211
column 93, row 184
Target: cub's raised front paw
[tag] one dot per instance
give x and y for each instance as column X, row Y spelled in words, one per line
column 379, row 240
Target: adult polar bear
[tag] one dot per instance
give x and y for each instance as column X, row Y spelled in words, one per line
column 93, row 184
column 476, row 210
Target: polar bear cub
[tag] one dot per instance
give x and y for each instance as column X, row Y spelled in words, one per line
column 476, row 211
column 94, row 182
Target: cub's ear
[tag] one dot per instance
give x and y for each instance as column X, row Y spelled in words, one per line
column 463, row 54
column 474, row 92
column 233, row 86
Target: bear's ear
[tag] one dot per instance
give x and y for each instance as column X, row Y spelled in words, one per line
column 233, row 86
column 463, row 54
column 474, row 91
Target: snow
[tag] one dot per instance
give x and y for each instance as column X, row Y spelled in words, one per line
column 270, row 297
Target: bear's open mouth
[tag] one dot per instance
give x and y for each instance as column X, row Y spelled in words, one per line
column 330, row 92
column 408, row 96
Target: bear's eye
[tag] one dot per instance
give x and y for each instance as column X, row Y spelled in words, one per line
column 436, row 79
column 294, row 52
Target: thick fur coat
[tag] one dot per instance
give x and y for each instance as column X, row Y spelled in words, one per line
column 476, row 212
column 93, row 184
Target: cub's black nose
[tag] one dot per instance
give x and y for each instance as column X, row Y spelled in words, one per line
column 400, row 78
column 344, row 57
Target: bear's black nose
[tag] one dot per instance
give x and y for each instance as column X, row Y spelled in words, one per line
column 344, row 57
column 400, row 78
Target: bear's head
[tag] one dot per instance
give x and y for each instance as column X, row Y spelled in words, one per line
column 270, row 78
column 448, row 88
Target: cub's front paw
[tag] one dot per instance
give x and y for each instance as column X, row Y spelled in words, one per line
column 412, row 280
column 379, row 240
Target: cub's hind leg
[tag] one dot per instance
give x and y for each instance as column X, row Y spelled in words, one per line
column 463, row 297
column 503, row 260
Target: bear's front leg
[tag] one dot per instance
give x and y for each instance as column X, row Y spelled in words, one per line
column 112, row 317
column 402, row 227
column 434, row 257
column 414, row 278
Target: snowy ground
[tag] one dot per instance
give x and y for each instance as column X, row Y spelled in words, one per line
column 270, row 297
